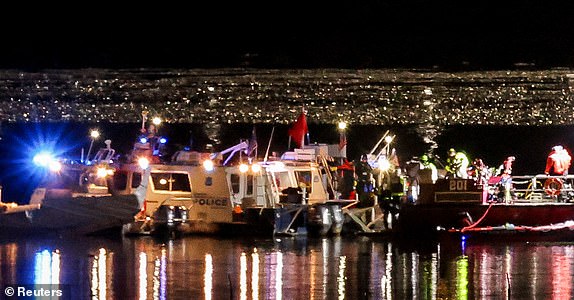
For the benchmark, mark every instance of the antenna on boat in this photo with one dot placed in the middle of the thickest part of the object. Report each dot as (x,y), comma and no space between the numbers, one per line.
(379,142)
(269,145)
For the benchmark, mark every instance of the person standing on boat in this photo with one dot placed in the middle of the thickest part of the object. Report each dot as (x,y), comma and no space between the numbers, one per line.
(426,164)
(479,171)
(558,161)
(506,167)
(504,171)
(346,173)
(412,168)
(365,180)
(457,164)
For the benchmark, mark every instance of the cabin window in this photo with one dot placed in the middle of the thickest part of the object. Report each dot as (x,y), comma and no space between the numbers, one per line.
(120,181)
(208,181)
(282,180)
(304,178)
(180,182)
(89,177)
(136,180)
(249,185)
(234,183)
(65,180)
(171,182)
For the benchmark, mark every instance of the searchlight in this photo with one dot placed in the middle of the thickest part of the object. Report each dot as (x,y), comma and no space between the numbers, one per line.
(243,168)
(143,163)
(255,168)
(208,165)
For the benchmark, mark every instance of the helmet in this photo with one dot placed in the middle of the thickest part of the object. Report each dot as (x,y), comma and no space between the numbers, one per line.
(451,151)
(557,148)
(424,158)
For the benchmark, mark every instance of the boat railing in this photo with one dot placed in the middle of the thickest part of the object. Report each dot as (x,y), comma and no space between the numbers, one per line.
(542,187)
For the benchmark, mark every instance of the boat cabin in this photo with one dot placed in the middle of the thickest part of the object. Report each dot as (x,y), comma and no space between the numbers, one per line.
(298,177)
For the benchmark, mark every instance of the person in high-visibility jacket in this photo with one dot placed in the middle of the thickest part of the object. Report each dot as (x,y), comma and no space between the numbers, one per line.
(457,164)
(558,161)
(427,164)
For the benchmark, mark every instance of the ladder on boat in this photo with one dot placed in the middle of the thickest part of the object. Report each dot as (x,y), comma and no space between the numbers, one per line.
(330,181)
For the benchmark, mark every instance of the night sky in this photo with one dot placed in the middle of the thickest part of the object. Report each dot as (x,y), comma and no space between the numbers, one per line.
(448,35)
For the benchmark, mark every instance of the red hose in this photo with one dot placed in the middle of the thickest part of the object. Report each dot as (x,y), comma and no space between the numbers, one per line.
(478,221)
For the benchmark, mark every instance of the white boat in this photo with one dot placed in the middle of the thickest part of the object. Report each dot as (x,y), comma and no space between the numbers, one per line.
(200,193)
(298,188)
(72,199)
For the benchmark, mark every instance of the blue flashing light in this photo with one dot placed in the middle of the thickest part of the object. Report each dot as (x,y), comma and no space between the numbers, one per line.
(162,140)
(43,159)
(143,140)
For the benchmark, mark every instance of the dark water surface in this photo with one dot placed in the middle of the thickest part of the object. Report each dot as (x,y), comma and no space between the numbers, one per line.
(289,268)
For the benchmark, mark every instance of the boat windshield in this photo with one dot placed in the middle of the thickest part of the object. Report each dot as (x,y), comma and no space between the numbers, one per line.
(171,182)
(304,179)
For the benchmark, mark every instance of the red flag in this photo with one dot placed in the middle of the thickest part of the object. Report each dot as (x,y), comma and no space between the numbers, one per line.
(298,130)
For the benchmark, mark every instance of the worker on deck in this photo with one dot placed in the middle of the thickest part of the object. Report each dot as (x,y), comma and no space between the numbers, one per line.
(507,192)
(346,175)
(557,164)
(506,167)
(480,171)
(412,168)
(558,161)
(426,164)
(365,181)
(457,164)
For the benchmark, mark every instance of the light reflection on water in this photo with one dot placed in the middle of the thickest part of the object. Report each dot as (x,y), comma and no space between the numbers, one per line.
(291,268)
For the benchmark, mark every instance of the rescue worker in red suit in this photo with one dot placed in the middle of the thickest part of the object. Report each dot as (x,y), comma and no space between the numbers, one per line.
(558,161)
